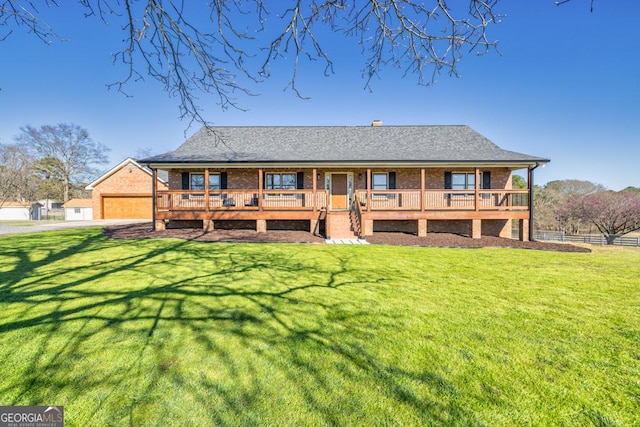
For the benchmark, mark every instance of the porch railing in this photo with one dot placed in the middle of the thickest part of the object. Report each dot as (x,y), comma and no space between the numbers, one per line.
(381,200)
(241,200)
(512,200)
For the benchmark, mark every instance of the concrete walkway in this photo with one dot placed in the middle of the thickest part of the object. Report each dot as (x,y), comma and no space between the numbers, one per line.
(17,227)
(346,242)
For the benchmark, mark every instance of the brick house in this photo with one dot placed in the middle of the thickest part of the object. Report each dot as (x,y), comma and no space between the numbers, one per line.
(345,181)
(124,192)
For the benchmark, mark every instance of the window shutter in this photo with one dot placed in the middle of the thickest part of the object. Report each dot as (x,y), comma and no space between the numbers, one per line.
(223,180)
(185,180)
(486,180)
(300,180)
(447,181)
(264,180)
(392,180)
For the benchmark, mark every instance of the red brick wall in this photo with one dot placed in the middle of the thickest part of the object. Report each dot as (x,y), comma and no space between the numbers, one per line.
(410,227)
(405,178)
(496,227)
(460,226)
(129,179)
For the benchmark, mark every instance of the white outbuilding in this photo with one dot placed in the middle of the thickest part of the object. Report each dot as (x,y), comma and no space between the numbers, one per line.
(20,211)
(78,210)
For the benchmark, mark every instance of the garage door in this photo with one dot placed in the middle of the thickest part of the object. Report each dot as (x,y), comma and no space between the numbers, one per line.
(126,207)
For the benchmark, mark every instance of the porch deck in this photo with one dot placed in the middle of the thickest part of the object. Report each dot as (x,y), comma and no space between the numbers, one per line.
(179,204)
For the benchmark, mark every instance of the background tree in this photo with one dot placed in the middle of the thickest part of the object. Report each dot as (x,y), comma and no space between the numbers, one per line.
(632,189)
(614,214)
(549,202)
(17,183)
(569,187)
(518,182)
(65,153)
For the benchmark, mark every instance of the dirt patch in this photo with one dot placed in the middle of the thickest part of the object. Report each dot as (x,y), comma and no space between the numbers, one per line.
(143,231)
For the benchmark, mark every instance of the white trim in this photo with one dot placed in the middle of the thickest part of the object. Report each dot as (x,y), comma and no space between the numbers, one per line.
(334,165)
(349,195)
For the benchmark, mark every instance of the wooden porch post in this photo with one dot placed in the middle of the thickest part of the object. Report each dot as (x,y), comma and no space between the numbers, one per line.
(260,186)
(368,189)
(477,188)
(206,190)
(315,188)
(422,188)
(523,226)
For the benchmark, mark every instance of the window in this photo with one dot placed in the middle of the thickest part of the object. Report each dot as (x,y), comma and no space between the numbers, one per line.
(380,181)
(280,181)
(196,181)
(214,181)
(464,181)
(76,210)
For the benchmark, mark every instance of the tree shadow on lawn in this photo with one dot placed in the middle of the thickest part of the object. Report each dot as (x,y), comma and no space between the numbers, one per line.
(219,339)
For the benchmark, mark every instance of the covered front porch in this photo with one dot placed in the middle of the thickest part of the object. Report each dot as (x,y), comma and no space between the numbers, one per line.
(332,191)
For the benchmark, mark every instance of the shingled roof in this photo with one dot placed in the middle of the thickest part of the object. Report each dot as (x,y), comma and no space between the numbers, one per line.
(340,144)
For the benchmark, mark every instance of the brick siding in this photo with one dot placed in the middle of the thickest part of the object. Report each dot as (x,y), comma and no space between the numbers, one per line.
(129,179)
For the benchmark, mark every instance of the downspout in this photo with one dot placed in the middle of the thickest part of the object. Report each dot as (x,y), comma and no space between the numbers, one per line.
(530,179)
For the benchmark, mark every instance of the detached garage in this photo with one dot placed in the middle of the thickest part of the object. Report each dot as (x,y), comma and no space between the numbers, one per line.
(126,206)
(124,192)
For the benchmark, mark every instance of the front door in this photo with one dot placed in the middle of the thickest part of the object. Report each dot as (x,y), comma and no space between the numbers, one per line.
(338,191)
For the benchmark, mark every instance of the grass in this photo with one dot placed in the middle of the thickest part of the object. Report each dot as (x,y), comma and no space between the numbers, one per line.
(168,332)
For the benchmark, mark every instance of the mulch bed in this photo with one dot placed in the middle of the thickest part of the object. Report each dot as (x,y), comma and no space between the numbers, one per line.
(456,241)
(143,231)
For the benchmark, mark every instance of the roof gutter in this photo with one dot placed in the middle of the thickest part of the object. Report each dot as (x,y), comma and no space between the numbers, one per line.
(192,164)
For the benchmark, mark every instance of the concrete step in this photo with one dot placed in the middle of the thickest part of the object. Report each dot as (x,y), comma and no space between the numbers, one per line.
(346,242)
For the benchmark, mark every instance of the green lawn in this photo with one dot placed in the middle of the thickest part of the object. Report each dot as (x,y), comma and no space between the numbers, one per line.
(168,332)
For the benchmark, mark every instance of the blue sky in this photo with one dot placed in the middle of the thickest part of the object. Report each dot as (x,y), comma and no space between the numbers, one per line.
(566,87)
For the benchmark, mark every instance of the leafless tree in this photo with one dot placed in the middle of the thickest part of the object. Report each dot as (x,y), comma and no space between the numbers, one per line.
(225,54)
(549,202)
(16,180)
(613,213)
(64,152)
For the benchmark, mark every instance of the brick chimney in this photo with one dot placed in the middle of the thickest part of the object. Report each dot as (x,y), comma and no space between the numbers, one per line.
(376,123)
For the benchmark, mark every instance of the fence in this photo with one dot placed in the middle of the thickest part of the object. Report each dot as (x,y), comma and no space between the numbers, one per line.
(593,239)
(51,214)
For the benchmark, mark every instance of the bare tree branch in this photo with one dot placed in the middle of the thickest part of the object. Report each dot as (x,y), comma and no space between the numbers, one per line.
(225,47)
(561,2)
(25,14)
